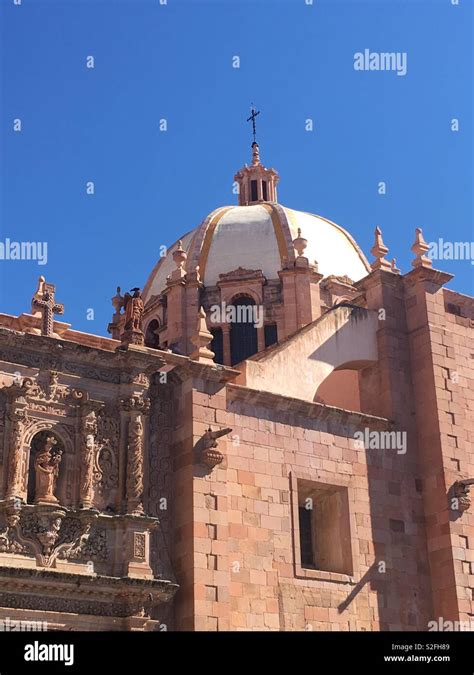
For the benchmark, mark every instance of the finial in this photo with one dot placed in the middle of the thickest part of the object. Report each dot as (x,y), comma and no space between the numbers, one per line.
(179,256)
(255,154)
(300,243)
(394,268)
(117,301)
(379,250)
(420,247)
(201,340)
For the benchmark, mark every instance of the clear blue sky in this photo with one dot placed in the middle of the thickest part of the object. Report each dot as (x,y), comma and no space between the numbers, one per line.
(174,61)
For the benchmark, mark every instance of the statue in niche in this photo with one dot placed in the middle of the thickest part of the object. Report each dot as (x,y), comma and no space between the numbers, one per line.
(47,463)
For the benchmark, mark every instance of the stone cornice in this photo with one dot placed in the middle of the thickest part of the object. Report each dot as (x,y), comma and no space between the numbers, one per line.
(286,404)
(47,353)
(111,596)
(378,277)
(436,277)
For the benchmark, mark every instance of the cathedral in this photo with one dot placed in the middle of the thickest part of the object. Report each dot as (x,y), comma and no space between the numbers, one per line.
(276,436)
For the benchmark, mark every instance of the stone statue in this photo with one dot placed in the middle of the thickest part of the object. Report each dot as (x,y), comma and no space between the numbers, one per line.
(47,470)
(133,310)
(88,431)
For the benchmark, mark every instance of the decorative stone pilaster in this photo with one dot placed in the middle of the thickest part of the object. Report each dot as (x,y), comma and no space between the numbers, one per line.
(17,418)
(88,440)
(300,290)
(138,408)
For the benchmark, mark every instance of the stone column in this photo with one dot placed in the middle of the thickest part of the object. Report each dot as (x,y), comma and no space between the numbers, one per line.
(226,343)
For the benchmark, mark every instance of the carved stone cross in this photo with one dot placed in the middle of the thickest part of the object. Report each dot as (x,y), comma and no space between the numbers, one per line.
(48,307)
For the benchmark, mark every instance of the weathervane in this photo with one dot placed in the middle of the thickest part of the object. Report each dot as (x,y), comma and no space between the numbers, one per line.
(253,117)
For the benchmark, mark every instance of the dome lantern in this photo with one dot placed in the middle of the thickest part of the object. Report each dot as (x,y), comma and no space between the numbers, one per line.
(257,184)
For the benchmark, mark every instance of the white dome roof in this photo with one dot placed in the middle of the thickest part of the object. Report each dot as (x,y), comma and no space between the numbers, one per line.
(259,237)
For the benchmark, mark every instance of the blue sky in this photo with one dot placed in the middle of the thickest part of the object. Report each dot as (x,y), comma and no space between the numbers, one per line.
(174,61)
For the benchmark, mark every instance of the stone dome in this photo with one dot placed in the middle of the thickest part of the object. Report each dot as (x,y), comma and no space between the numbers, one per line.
(259,236)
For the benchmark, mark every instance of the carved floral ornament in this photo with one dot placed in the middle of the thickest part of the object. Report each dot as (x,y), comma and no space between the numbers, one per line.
(52,391)
(49,532)
(136,403)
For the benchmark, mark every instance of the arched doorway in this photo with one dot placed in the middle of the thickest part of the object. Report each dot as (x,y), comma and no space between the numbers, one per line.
(243,331)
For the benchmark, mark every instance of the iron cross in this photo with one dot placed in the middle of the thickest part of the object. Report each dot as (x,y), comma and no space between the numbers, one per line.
(48,308)
(253,117)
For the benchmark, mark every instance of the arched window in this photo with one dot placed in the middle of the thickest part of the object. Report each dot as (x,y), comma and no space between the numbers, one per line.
(151,337)
(49,450)
(217,345)
(243,331)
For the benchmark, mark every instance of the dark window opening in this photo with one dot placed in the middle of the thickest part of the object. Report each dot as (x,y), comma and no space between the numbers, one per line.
(254,191)
(271,334)
(217,345)
(243,332)
(151,337)
(306,536)
(264,189)
(324,525)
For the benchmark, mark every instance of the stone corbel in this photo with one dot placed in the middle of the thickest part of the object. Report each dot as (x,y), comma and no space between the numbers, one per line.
(206,449)
(461,493)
